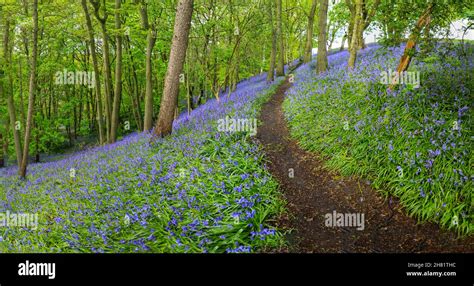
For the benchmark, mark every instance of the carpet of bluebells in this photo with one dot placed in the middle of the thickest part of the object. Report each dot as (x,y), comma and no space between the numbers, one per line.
(198,190)
(414,143)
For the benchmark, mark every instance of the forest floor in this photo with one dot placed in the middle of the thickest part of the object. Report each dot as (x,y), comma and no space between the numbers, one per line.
(313,192)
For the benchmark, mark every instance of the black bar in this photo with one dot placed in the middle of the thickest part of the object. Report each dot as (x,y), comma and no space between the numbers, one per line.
(315,269)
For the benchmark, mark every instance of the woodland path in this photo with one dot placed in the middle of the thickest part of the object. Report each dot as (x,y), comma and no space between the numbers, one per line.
(314,192)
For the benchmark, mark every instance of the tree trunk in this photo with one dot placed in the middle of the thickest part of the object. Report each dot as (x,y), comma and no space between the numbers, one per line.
(148,118)
(32,90)
(106,63)
(271,70)
(95,63)
(322,58)
(366,19)
(179,46)
(118,74)
(350,26)
(280,70)
(421,23)
(108,80)
(37,155)
(342,43)
(309,34)
(151,39)
(6,140)
(10,101)
(353,47)
(20,84)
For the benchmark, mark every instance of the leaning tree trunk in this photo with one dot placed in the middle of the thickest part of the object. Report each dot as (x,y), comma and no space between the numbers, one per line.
(309,35)
(32,90)
(322,58)
(179,46)
(422,22)
(280,70)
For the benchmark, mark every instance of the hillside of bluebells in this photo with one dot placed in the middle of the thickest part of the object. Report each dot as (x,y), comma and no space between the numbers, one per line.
(413,143)
(198,190)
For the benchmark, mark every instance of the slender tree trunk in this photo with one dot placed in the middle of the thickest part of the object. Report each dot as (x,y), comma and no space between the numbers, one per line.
(309,33)
(151,39)
(95,63)
(106,63)
(108,80)
(136,91)
(133,86)
(343,41)
(332,37)
(175,65)
(32,90)
(10,101)
(20,84)
(6,140)
(366,19)
(322,58)
(421,23)
(353,48)
(188,90)
(360,34)
(271,70)
(118,74)
(350,27)
(280,70)
(236,72)
(37,155)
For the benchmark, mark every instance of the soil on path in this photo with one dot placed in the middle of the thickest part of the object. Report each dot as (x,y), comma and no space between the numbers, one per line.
(314,192)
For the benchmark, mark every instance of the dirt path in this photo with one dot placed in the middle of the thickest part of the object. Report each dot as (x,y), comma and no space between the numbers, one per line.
(314,192)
